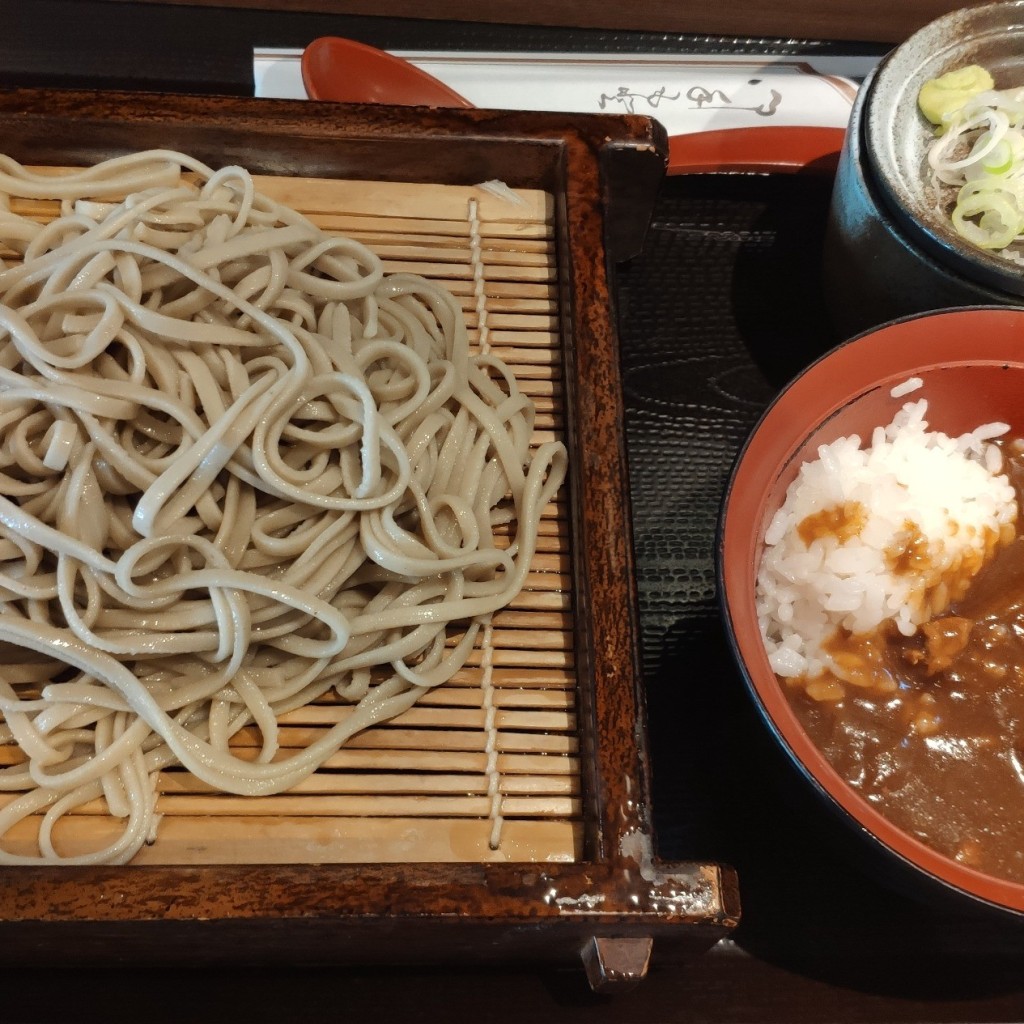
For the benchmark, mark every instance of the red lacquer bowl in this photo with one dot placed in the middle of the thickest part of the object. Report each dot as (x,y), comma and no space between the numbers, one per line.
(972,365)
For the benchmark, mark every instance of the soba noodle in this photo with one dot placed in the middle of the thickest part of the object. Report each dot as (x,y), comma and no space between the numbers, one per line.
(240,467)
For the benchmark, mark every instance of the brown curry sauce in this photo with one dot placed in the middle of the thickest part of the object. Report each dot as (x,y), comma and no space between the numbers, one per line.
(932,734)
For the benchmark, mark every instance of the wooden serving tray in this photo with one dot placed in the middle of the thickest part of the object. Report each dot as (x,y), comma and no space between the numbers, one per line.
(595,889)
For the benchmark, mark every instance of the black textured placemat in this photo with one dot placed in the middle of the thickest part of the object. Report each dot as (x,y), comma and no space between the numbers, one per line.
(71,44)
(720,309)
(717,312)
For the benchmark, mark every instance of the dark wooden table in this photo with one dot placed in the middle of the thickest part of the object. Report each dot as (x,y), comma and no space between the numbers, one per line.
(823,938)
(837,19)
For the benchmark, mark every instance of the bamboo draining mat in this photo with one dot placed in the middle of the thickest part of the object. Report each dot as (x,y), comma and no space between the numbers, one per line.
(476,771)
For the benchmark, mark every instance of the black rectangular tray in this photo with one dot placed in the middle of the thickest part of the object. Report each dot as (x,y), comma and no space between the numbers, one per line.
(723,307)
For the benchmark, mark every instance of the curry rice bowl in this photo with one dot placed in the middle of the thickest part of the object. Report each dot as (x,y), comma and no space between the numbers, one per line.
(891,532)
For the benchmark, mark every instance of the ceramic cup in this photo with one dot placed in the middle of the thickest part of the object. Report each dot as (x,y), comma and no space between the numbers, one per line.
(888,252)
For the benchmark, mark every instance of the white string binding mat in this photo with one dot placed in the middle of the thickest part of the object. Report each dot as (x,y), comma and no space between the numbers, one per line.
(487,646)
(241,467)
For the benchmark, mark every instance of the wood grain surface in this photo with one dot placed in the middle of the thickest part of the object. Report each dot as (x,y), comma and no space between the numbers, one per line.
(871,20)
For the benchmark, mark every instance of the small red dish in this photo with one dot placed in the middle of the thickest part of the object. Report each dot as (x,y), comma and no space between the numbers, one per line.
(972,364)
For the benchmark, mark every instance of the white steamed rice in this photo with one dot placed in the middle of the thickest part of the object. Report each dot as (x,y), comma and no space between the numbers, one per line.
(949,492)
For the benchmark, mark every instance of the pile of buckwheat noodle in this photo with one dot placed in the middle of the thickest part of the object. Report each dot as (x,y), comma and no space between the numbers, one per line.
(239,467)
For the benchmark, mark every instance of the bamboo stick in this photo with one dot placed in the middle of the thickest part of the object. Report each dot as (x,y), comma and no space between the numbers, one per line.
(548,580)
(534,237)
(444,271)
(452,694)
(431,760)
(548,600)
(541,389)
(341,805)
(515,317)
(462,696)
(441,717)
(519,329)
(552,544)
(505,658)
(376,805)
(373,228)
(425,761)
(551,527)
(386,737)
(386,198)
(551,678)
(427,250)
(512,618)
(547,543)
(510,290)
(392,783)
(507,297)
(223,839)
